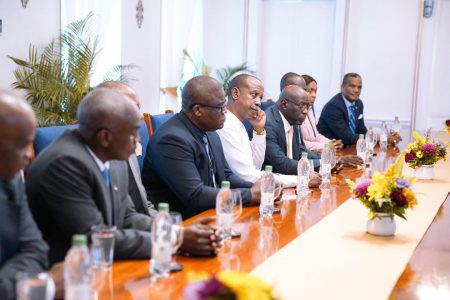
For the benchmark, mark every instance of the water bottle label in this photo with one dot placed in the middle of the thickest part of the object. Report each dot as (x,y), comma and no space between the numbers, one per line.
(362,154)
(267,199)
(162,252)
(326,168)
(224,221)
(383,138)
(303,180)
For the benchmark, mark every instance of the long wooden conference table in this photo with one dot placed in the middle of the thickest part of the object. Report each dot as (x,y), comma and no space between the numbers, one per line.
(426,276)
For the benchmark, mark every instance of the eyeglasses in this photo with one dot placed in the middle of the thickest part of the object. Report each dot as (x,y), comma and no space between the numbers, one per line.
(221,107)
(300,105)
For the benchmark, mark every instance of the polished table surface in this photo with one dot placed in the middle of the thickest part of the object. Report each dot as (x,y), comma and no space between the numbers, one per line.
(428,270)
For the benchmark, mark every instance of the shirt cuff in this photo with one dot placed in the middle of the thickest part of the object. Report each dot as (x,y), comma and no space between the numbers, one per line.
(262,132)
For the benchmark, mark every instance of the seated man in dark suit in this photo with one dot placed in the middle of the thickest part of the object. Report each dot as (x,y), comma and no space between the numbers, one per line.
(22,248)
(135,188)
(81,180)
(343,116)
(284,141)
(184,164)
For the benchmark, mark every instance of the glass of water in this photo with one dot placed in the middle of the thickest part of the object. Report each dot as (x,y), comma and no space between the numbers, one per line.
(34,286)
(102,248)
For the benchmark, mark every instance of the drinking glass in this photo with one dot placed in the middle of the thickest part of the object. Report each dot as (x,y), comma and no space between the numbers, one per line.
(177,237)
(35,286)
(237,210)
(102,248)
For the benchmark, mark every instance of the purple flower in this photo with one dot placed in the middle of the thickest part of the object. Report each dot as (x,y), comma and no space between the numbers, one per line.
(361,189)
(399,198)
(202,290)
(428,149)
(401,183)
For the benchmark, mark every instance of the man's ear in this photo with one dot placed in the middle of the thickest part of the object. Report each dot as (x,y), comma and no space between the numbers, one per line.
(196,111)
(235,93)
(104,138)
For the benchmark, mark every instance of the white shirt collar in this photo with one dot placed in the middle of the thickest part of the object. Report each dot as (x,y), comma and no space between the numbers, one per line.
(347,102)
(99,163)
(286,124)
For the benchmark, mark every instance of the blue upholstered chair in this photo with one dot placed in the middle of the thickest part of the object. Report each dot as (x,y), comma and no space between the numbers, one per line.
(143,133)
(155,121)
(46,135)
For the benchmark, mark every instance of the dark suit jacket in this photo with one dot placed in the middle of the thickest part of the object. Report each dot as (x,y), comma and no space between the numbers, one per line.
(333,122)
(136,190)
(176,168)
(21,245)
(276,145)
(67,195)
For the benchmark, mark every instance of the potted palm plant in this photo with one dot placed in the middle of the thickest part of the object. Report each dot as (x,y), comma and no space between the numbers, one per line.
(57,79)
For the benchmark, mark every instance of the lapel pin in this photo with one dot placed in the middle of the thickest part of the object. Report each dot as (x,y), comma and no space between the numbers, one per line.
(115,188)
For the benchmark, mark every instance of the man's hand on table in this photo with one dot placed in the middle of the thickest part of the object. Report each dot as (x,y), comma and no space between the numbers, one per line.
(200,238)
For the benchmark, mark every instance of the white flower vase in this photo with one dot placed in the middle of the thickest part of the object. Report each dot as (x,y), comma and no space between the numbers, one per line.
(424,172)
(382,224)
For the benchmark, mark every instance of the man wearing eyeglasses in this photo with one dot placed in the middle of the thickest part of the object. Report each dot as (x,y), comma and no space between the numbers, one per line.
(185,164)
(284,141)
(81,180)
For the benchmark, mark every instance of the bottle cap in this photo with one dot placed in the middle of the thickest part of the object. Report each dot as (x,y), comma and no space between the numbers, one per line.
(79,240)
(163,206)
(304,154)
(268,168)
(225,184)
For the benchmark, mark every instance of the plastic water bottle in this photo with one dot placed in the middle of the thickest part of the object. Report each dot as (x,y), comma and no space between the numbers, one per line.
(161,236)
(396,126)
(77,270)
(303,171)
(268,186)
(361,147)
(383,137)
(371,139)
(326,158)
(224,211)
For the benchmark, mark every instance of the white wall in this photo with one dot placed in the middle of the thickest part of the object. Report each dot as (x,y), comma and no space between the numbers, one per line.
(381,47)
(141,46)
(36,24)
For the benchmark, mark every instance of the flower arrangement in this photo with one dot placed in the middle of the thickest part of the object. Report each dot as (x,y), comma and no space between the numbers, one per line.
(227,285)
(424,151)
(387,193)
(447,126)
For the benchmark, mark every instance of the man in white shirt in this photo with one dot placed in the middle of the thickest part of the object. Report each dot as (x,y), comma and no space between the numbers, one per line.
(244,156)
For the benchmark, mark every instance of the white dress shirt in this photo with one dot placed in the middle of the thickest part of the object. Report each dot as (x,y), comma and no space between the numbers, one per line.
(246,157)
(99,163)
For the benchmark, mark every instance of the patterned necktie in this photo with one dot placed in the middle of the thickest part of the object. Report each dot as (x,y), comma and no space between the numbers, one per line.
(211,166)
(289,142)
(105,174)
(352,118)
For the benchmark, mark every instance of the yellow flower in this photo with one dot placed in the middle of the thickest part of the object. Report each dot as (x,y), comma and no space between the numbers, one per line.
(418,138)
(410,197)
(246,286)
(419,154)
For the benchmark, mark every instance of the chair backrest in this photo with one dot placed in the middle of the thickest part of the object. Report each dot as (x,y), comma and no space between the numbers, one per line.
(145,138)
(46,135)
(155,121)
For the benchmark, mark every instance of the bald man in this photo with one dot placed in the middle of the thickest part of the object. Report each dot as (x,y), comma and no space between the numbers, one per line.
(22,248)
(292,78)
(284,142)
(184,163)
(135,188)
(81,180)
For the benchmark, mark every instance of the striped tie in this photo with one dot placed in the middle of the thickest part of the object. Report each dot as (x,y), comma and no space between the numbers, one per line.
(352,118)
(211,166)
